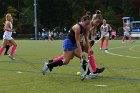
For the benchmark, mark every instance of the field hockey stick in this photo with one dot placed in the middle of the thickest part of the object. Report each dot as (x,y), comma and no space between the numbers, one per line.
(99,39)
(87,66)
(82,76)
(81,69)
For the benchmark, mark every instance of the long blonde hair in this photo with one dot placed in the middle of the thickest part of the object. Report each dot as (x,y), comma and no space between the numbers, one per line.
(97,16)
(7,15)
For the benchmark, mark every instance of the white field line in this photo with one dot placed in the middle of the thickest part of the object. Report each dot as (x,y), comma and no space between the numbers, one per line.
(114,54)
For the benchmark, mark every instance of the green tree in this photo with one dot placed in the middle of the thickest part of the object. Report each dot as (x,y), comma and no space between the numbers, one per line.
(10,10)
(109,15)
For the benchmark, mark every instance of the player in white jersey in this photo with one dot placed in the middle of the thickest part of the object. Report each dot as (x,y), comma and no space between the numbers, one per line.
(105,28)
(7,36)
(126,29)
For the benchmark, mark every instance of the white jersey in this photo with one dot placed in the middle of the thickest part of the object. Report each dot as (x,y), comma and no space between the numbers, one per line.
(105,30)
(8,35)
(126,30)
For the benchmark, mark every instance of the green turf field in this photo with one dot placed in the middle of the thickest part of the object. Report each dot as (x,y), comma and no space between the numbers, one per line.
(23,75)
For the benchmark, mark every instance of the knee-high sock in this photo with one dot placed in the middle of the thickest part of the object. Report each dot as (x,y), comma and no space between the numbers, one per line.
(106,43)
(13,50)
(1,50)
(7,48)
(58,58)
(123,39)
(130,39)
(92,62)
(101,44)
(83,65)
(55,64)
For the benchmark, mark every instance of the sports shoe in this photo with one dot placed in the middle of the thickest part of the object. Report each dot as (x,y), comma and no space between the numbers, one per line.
(99,70)
(91,76)
(11,57)
(88,77)
(45,68)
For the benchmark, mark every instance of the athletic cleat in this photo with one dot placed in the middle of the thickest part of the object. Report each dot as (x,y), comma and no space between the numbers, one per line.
(11,57)
(92,75)
(45,68)
(106,49)
(99,70)
(88,77)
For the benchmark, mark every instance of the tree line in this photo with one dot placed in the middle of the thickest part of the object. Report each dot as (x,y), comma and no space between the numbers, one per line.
(64,13)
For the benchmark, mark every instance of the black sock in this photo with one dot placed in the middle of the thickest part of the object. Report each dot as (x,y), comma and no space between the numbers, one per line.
(55,64)
(84,66)
(50,60)
(7,48)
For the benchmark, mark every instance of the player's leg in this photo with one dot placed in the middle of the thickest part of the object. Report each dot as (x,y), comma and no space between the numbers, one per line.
(101,43)
(67,57)
(106,37)
(123,38)
(57,58)
(68,54)
(5,42)
(84,62)
(93,65)
(92,59)
(130,39)
(85,49)
(6,49)
(13,48)
(84,65)
(92,62)
(113,37)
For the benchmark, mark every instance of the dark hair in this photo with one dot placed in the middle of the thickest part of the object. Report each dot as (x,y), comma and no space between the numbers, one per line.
(85,17)
(98,12)
(88,13)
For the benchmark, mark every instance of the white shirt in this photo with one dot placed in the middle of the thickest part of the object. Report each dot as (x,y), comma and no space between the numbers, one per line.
(104,29)
(7,33)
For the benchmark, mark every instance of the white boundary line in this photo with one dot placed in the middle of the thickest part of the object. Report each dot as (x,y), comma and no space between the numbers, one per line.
(106,51)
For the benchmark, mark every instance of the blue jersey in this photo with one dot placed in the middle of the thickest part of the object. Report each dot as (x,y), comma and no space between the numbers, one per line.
(71,34)
(70,43)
